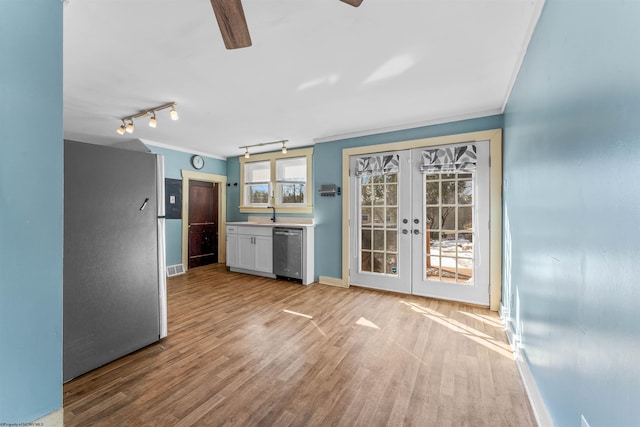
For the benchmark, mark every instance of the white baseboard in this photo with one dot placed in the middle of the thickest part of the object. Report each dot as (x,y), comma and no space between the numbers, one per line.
(540,411)
(54,419)
(331,281)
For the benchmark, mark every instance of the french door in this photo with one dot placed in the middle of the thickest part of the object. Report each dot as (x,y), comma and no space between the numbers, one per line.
(420,221)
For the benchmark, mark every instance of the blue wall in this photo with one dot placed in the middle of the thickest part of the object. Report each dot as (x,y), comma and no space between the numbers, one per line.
(174,162)
(31,191)
(233,191)
(327,169)
(572,212)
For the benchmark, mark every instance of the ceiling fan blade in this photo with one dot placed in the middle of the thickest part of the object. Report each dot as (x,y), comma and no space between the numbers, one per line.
(232,23)
(354,3)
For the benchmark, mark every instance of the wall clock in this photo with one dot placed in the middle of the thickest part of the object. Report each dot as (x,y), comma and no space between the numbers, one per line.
(197,162)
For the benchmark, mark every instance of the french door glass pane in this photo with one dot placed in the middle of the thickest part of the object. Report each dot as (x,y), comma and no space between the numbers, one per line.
(448,192)
(448,212)
(379,225)
(366,261)
(433,217)
(366,239)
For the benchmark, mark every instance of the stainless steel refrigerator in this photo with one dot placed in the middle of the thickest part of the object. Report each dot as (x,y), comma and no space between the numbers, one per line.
(114,263)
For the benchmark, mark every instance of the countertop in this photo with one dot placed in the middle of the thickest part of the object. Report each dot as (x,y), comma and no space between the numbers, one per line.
(270,224)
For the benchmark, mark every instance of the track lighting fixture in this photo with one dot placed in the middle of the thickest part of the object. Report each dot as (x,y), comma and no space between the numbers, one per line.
(127,122)
(246,147)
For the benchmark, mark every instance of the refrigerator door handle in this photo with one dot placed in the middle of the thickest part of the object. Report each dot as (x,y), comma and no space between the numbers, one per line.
(144,204)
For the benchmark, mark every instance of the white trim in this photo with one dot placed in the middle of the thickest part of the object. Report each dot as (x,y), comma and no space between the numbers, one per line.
(162,248)
(540,411)
(503,312)
(54,419)
(331,281)
(181,149)
(537,11)
(407,126)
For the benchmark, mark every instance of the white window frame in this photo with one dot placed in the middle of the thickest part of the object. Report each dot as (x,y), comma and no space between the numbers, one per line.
(246,188)
(280,182)
(307,207)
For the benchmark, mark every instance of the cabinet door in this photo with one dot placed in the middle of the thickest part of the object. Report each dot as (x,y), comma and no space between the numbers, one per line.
(264,254)
(232,250)
(246,252)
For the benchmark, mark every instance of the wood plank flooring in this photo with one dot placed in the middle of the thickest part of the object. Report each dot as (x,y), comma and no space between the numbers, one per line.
(245,351)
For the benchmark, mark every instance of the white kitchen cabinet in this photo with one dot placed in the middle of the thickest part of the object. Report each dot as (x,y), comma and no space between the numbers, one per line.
(253,249)
(250,249)
(264,253)
(246,252)
(232,246)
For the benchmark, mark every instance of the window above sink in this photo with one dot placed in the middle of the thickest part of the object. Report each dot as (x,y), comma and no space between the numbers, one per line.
(279,180)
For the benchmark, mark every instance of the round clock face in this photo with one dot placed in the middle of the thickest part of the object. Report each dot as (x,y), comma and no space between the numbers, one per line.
(197,162)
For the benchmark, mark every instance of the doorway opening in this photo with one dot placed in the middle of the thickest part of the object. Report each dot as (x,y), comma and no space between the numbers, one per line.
(420,221)
(441,217)
(203,223)
(203,218)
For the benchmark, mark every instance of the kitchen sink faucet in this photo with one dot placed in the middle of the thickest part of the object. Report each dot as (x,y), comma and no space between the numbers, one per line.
(273,218)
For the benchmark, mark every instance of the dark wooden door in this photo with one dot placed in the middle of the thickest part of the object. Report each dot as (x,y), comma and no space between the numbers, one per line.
(203,223)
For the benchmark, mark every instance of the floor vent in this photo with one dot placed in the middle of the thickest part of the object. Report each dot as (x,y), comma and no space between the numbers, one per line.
(174,270)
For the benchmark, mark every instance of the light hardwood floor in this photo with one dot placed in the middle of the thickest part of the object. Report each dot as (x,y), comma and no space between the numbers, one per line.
(246,351)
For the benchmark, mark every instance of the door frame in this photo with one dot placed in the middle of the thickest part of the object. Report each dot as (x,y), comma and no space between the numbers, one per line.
(494,136)
(188,175)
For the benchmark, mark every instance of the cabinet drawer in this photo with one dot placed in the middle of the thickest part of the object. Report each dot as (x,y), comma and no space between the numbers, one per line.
(255,231)
(232,229)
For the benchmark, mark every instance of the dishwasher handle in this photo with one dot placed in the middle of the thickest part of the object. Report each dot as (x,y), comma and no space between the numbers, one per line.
(287,232)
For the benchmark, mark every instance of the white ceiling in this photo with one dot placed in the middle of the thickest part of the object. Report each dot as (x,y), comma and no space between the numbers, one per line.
(317,68)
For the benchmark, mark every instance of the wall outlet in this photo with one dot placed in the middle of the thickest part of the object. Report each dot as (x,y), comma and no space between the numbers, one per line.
(583,422)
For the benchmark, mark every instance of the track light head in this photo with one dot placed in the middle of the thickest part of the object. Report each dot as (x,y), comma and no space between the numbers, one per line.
(121,129)
(173,113)
(152,121)
(129,127)
(246,153)
(284,147)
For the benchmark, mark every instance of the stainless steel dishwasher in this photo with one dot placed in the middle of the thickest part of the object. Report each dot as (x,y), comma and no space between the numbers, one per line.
(287,252)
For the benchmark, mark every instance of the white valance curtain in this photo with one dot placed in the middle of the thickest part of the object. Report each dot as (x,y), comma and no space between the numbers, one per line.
(377,165)
(458,159)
